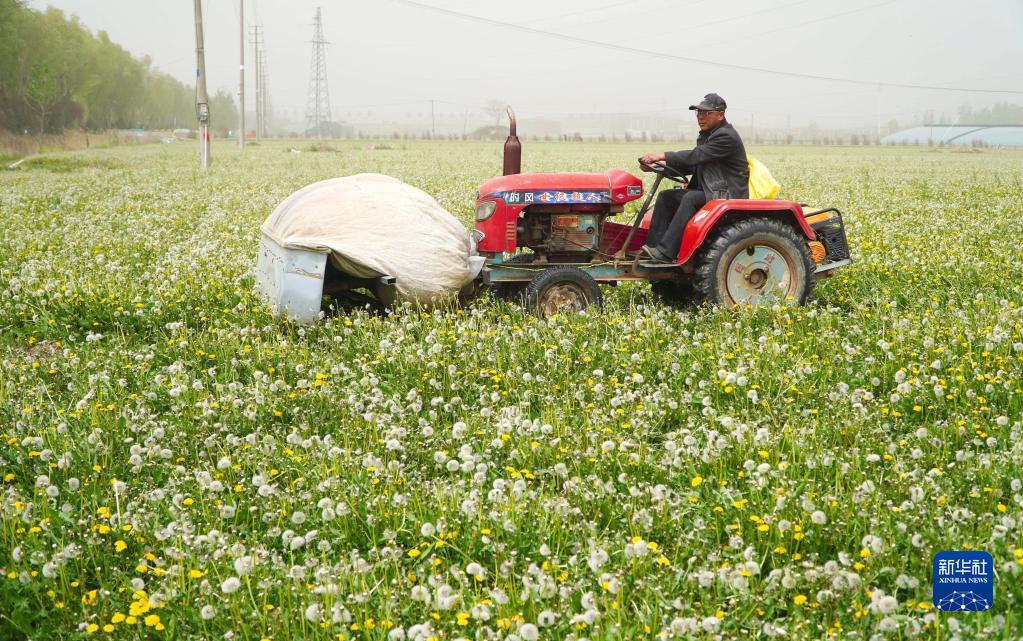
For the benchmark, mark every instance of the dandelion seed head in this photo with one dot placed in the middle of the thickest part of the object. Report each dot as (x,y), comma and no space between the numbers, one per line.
(528,632)
(230,585)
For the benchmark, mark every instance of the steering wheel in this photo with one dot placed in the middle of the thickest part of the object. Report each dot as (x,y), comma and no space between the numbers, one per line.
(666,171)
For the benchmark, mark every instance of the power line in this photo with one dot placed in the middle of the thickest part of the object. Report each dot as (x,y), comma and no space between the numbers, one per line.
(803,24)
(531,52)
(699,61)
(691,27)
(676,6)
(575,13)
(730,19)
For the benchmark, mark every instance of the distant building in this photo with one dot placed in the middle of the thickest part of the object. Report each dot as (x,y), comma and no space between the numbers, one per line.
(959,135)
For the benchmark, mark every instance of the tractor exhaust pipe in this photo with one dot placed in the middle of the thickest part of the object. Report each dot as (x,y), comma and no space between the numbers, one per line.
(512,148)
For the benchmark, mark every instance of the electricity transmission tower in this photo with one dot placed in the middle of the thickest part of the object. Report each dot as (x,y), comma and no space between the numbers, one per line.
(318,103)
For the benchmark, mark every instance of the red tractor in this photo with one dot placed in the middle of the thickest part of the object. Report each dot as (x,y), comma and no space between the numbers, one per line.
(732,252)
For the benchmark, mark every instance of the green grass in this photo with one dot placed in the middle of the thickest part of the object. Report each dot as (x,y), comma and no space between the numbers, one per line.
(629,473)
(66,162)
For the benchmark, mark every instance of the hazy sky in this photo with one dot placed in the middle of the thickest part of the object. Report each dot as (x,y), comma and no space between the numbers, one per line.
(387,56)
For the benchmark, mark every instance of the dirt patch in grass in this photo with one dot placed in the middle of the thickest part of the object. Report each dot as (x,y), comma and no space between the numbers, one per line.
(43,352)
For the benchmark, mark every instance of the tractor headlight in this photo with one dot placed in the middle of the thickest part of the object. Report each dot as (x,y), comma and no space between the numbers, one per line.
(485,209)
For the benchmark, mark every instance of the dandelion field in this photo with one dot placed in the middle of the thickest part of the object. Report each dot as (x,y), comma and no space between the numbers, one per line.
(178,463)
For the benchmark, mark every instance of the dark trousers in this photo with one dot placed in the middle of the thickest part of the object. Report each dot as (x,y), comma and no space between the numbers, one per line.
(672,212)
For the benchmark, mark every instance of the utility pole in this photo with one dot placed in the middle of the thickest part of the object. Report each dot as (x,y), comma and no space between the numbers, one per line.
(202,101)
(264,84)
(262,88)
(879,114)
(257,32)
(241,74)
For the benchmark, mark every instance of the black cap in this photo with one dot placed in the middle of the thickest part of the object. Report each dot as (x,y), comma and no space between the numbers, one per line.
(710,102)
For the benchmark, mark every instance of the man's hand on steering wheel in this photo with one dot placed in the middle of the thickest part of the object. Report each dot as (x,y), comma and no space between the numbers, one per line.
(656,163)
(646,160)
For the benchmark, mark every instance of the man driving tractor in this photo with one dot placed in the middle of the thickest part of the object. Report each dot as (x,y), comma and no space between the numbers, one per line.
(719,169)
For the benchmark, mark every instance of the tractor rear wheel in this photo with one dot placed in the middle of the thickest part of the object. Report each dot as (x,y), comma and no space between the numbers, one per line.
(756,261)
(561,290)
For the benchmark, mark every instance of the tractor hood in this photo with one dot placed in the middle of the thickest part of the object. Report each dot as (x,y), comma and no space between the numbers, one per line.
(614,186)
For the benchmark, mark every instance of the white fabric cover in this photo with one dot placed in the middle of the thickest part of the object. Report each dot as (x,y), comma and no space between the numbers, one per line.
(374,225)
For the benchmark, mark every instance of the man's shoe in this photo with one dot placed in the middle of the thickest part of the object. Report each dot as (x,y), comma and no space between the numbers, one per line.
(655,254)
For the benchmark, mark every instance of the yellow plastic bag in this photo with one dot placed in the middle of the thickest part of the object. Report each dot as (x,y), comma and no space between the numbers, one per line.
(762,185)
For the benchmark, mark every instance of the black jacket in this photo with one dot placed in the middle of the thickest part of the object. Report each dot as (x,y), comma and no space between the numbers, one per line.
(718,163)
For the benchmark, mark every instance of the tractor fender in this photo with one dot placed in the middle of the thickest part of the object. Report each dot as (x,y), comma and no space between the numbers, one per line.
(719,211)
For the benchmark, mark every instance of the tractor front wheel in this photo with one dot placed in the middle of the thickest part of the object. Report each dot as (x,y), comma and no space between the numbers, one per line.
(756,261)
(561,290)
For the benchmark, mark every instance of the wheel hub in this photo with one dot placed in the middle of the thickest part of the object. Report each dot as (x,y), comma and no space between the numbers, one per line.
(564,297)
(758,273)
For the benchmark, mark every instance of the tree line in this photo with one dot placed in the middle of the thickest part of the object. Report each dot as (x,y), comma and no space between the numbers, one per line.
(1002,113)
(55,73)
